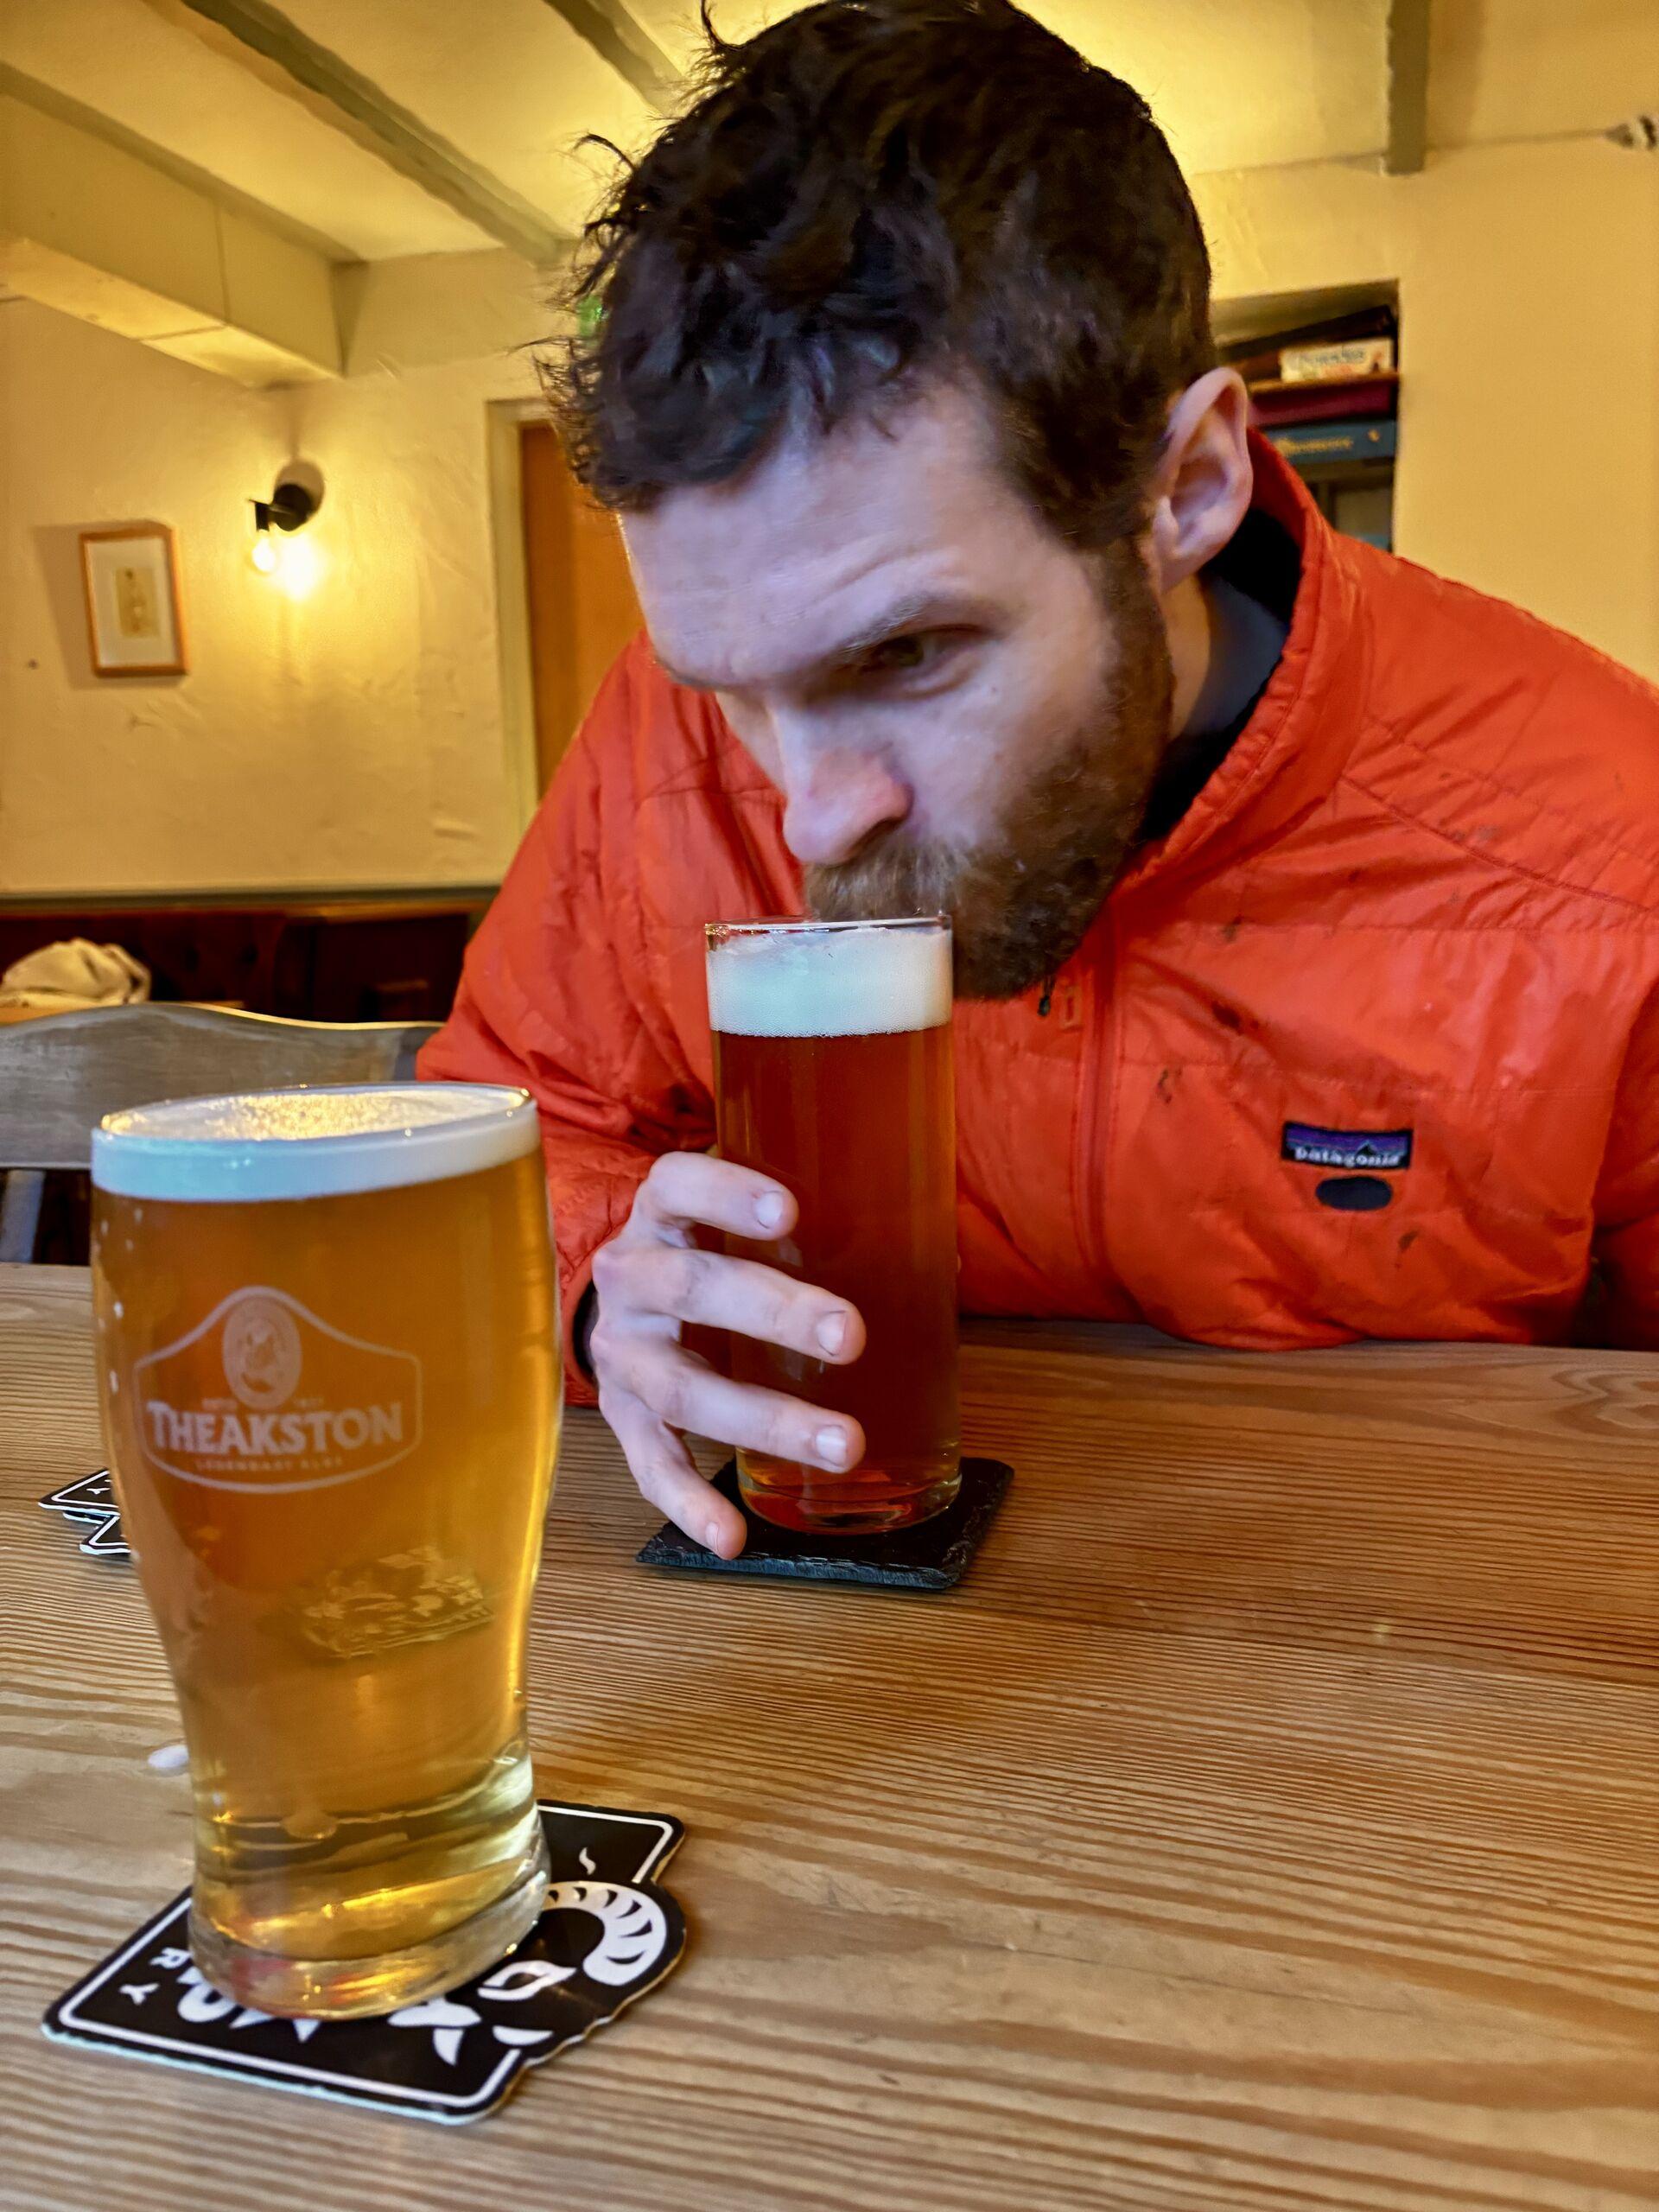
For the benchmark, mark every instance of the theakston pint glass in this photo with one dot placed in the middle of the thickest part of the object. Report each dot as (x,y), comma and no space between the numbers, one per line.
(833,1074)
(327,1349)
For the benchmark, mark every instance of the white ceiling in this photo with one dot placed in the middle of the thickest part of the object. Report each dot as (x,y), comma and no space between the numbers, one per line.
(511,88)
(1509,69)
(507,82)
(1233,83)
(127,63)
(310,134)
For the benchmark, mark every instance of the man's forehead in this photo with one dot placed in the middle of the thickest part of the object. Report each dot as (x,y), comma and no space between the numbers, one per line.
(830,541)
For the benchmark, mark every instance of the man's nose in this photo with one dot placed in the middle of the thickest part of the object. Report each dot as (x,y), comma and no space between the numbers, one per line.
(834,801)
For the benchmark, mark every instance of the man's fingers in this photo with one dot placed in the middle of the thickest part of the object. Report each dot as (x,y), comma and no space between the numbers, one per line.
(688,1189)
(685,1284)
(686,1393)
(663,1468)
(653,1278)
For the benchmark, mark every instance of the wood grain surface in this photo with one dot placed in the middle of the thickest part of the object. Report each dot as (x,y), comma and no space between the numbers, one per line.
(1270,1821)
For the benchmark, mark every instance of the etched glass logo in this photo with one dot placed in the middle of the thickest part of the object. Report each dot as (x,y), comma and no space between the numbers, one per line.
(263,1354)
(264,1395)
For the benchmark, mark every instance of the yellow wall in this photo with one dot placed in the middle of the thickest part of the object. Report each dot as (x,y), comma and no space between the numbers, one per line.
(356,737)
(353,737)
(1528,281)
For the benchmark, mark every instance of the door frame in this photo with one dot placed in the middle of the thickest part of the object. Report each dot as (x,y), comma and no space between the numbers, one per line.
(505,417)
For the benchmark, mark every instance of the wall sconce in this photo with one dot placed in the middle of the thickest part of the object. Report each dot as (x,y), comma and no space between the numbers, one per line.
(291,507)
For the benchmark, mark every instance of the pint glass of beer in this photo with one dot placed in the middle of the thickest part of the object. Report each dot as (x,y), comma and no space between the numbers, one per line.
(327,1329)
(832,1074)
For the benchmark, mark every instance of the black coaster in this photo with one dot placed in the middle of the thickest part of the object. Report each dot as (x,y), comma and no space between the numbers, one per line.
(92,1500)
(608,1934)
(932,1555)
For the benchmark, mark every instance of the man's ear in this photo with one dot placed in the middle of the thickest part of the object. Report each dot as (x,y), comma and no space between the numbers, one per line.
(1202,488)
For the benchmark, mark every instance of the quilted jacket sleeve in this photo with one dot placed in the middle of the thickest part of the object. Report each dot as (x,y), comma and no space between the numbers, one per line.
(1623,1308)
(556,997)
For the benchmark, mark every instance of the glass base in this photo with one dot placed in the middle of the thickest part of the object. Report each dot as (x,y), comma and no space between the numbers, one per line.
(830,1505)
(350,1989)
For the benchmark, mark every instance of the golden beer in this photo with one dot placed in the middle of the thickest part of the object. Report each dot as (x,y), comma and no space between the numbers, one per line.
(328,1324)
(833,1074)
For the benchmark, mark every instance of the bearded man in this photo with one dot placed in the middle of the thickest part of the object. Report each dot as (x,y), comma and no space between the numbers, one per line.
(1307,907)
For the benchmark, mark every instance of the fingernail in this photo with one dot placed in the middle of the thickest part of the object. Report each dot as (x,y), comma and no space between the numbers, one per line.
(832,1332)
(711,1534)
(833,1446)
(769,1210)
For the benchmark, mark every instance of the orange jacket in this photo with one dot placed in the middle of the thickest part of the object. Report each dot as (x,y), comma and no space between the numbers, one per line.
(1420,894)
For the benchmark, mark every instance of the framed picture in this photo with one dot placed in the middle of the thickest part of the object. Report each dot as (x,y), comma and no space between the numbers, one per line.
(132,600)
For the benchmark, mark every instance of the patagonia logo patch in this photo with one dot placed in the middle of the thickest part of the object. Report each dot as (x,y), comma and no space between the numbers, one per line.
(1360,1151)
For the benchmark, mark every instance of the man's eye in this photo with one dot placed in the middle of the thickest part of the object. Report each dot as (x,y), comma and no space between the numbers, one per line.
(904,656)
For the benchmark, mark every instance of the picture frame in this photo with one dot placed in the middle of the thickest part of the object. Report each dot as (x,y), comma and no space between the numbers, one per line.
(134,625)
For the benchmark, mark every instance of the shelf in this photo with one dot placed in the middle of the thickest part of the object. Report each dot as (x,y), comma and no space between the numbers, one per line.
(1323,383)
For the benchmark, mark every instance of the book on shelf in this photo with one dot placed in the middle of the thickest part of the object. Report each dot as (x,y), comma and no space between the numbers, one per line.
(1262,360)
(1277,403)
(1304,443)
(1339,359)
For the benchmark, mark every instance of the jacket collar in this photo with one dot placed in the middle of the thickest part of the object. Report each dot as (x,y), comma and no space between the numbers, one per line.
(1291,751)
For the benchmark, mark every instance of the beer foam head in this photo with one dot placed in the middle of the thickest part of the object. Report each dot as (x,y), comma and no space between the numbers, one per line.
(311,1143)
(859,979)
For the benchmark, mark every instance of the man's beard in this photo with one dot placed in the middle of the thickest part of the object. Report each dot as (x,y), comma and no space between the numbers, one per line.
(1021,903)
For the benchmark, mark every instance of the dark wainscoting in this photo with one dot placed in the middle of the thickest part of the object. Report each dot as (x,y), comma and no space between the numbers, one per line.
(380,956)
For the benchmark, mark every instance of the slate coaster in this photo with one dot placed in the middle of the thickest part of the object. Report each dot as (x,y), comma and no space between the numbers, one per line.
(105,1540)
(932,1555)
(92,1500)
(606,1935)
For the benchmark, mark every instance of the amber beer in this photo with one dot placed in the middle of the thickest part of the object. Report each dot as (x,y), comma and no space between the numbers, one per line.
(326,1328)
(832,1073)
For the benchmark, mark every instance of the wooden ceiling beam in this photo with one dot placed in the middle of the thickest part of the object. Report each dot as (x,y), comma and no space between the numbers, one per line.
(1407,146)
(262,38)
(608,27)
(95,230)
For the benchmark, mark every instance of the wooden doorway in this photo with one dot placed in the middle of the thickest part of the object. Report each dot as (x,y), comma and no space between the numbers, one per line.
(582,608)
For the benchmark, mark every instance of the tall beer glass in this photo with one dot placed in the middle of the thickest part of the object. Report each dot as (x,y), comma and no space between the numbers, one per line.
(326,1328)
(832,1074)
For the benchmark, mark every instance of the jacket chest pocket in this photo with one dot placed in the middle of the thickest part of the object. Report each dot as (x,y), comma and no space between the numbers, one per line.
(1257,1200)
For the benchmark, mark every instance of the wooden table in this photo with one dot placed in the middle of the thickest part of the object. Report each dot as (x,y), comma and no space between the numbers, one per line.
(1269,1823)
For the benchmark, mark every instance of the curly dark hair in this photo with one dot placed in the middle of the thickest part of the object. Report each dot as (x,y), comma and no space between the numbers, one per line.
(873,192)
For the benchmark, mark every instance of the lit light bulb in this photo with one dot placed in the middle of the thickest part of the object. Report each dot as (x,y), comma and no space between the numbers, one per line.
(301,568)
(264,555)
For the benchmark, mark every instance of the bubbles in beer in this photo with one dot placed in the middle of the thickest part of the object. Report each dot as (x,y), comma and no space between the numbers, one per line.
(313,1143)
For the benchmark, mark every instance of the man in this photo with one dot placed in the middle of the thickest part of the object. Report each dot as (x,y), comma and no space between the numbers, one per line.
(1307,907)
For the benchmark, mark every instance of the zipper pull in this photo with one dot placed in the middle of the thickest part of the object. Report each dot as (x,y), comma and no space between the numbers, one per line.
(1046,999)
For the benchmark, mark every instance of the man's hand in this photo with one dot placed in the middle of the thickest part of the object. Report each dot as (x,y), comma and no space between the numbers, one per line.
(650,1279)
